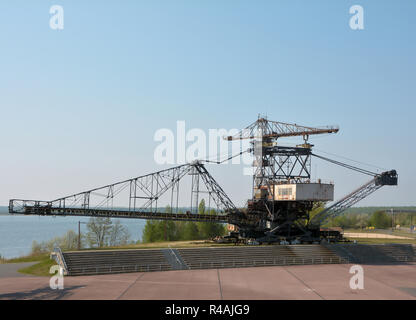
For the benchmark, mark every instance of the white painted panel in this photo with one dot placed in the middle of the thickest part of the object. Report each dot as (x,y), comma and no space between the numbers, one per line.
(305,191)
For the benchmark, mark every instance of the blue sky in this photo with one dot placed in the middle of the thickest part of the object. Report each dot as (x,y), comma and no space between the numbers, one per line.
(80,106)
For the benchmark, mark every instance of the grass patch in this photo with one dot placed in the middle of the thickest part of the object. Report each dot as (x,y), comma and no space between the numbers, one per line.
(166,244)
(404,233)
(39,269)
(29,258)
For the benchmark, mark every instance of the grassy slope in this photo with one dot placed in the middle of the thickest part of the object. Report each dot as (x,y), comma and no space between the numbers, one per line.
(29,258)
(41,268)
(167,244)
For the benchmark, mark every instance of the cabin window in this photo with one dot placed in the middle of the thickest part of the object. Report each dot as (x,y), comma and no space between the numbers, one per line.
(285,191)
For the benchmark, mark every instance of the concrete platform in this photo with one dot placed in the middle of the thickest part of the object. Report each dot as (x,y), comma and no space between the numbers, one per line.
(269,283)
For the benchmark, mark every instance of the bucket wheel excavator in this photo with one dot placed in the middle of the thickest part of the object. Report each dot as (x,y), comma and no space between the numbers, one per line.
(283,194)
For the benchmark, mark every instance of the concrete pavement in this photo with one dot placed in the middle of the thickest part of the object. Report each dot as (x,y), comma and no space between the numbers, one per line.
(274,283)
(8,270)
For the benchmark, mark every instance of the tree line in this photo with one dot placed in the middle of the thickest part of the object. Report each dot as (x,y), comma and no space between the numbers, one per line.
(165,230)
(102,232)
(379,219)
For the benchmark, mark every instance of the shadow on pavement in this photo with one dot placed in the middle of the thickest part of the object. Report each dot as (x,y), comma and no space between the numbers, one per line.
(45,293)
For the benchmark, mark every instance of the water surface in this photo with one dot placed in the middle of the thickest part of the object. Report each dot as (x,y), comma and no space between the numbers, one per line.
(18,232)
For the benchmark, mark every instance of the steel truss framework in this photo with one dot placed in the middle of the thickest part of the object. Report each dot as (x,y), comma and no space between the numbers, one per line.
(275,164)
(386,178)
(143,194)
(280,164)
(267,129)
(288,163)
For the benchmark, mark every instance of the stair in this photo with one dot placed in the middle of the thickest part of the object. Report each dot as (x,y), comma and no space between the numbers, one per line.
(144,260)
(115,261)
(378,253)
(175,259)
(233,257)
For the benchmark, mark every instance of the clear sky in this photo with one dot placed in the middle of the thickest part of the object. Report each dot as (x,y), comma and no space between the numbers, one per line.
(80,106)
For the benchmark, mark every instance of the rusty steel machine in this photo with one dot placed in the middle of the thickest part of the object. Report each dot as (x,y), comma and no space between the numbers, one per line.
(284,194)
(282,200)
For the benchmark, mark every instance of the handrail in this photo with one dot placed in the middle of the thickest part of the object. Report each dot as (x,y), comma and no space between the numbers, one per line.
(273,261)
(122,267)
(61,258)
(174,254)
(107,268)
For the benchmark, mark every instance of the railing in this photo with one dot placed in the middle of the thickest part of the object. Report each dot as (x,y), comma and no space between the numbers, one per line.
(46,208)
(178,261)
(266,262)
(58,256)
(106,269)
(382,259)
(405,258)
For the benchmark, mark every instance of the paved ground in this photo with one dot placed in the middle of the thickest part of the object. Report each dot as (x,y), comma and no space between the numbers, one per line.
(288,282)
(373,236)
(8,270)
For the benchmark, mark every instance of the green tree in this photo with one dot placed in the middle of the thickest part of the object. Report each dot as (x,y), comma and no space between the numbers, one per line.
(209,230)
(169,228)
(149,231)
(172,231)
(190,231)
(201,207)
(99,230)
(166,231)
(317,207)
(69,241)
(380,220)
(119,235)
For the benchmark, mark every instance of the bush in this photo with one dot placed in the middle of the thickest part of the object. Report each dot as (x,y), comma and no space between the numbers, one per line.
(103,233)
(69,241)
(155,231)
(380,220)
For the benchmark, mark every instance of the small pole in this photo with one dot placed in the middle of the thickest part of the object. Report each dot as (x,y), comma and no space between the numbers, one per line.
(392,219)
(79,235)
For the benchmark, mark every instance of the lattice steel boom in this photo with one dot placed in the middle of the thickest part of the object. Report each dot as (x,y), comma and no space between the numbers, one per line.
(141,194)
(386,178)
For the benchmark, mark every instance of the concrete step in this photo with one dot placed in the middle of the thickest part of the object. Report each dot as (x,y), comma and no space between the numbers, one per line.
(383,253)
(115,261)
(200,258)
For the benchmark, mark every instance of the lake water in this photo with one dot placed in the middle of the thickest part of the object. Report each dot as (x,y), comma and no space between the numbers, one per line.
(18,232)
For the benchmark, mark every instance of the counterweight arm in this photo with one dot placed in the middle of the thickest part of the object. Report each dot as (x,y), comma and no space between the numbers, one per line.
(386,178)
